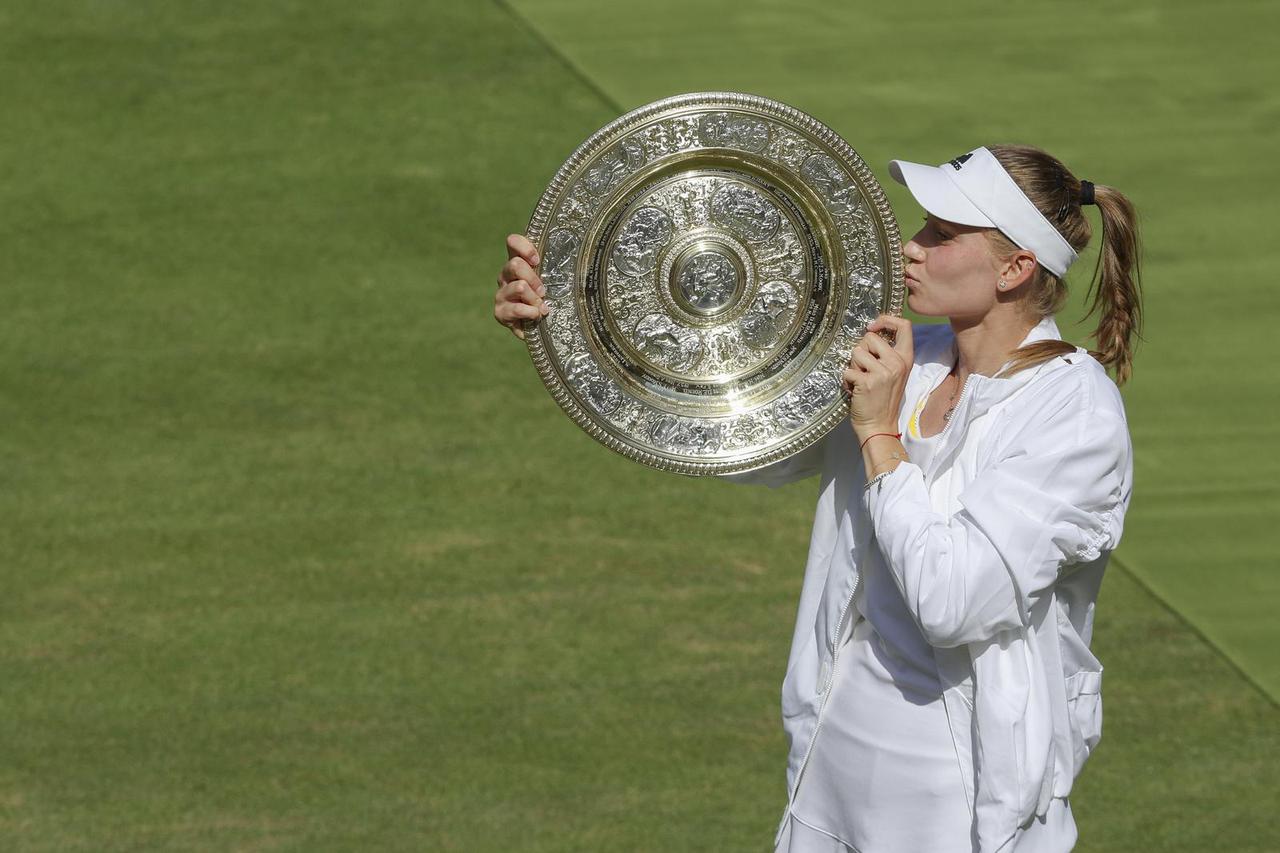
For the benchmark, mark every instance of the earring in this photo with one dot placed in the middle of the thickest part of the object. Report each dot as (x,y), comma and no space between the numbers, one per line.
(1001,285)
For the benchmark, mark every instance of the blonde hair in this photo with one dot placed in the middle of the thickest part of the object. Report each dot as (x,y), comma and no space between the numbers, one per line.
(1115,287)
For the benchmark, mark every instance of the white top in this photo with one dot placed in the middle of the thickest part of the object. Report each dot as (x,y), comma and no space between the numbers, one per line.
(920,450)
(996,551)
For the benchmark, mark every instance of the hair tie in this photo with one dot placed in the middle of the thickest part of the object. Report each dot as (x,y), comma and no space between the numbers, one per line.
(1086,193)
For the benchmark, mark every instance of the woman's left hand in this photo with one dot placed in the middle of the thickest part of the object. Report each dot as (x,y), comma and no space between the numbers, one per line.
(877,376)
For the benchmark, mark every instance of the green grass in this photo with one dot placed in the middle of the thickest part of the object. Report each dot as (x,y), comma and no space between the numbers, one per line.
(298,554)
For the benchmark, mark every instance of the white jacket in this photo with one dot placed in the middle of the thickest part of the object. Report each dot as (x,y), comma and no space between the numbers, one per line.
(998,550)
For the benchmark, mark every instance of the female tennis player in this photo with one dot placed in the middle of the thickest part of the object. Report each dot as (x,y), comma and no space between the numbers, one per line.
(940,694)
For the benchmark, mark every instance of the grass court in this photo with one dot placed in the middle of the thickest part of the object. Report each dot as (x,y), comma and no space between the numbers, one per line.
(297,552)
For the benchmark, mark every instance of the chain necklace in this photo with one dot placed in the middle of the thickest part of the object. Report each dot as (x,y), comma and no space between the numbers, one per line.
(952,402)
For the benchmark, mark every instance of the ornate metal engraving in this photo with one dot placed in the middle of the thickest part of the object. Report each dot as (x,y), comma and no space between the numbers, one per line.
(710,261)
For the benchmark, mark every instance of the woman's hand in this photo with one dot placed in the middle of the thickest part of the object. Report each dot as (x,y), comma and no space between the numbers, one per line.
(520,290)
(877,376)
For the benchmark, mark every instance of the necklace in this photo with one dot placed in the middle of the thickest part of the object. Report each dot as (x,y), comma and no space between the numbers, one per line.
(952,402)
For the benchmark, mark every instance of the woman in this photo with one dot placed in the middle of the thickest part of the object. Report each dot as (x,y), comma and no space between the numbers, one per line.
(940,694)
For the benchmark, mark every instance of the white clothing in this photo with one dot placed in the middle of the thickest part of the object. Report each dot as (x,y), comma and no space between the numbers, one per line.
(996,551)
(883,773)
(1052,833)
(920,450)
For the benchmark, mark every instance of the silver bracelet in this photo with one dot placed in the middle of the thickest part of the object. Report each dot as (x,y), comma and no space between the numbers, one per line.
(878,477)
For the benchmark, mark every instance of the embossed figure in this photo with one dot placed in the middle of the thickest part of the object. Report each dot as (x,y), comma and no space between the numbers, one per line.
(591,385)
(708,280)
(683,435)
(636,249)
(746,211)
(770,313)
(781,258)
(667,343)
(832,182)
(734,130)
(866,290)
(557,269)
(605,173)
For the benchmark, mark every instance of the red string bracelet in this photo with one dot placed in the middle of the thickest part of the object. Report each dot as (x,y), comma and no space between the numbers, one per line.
(896,435)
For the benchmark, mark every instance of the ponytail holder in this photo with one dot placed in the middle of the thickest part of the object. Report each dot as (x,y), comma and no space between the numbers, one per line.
(1086,193)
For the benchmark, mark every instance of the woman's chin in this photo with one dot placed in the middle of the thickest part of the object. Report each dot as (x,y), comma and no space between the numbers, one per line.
(921,306)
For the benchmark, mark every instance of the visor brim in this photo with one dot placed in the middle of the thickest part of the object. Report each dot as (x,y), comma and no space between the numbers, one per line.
(937,194)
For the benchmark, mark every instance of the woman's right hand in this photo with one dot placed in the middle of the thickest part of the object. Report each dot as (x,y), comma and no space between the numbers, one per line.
(520,289)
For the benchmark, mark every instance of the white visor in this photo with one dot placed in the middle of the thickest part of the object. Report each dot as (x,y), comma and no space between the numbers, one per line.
(974,189)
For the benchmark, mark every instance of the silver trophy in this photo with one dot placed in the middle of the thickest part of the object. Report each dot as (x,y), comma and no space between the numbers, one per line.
(710,261)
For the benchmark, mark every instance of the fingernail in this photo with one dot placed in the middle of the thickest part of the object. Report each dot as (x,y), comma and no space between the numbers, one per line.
(535,259)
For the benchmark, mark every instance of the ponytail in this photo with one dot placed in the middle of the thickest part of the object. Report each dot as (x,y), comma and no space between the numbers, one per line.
(1115,292)
(1117,288)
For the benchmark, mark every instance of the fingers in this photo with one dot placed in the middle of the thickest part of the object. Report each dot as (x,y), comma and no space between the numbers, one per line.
(849,379)
(861,364)
(518,269)
(516,329)
(903,343)
(520,246)
(865,361)
(520,288)
(881,349)
(508,312)
(513,314)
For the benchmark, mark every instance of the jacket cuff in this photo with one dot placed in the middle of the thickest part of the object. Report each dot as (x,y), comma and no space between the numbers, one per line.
(904,484)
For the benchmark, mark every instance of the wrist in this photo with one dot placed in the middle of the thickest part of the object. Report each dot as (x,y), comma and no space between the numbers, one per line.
(863,431)
(878,436)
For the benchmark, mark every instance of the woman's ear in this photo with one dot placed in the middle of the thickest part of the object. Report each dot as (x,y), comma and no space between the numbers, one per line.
(1017,269)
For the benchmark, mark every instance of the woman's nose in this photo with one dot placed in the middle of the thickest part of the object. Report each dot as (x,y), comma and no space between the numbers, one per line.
(913,251)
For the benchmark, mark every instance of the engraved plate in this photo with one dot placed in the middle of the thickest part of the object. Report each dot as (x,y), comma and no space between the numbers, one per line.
(710,261)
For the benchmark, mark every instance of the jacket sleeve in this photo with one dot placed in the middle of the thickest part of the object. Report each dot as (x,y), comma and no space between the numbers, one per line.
(1055,495)
(796,467)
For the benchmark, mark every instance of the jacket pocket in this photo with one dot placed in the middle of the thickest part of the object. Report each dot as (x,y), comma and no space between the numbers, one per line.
(1084,706)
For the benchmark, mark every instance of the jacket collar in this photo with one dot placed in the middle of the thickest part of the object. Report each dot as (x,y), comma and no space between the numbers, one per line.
(979,394)
(983,390)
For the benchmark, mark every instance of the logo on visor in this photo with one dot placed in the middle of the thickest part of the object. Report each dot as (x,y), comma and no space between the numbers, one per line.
(959,161)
